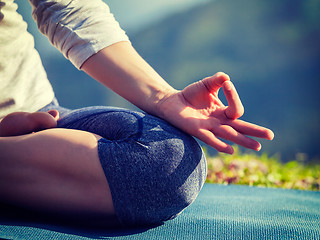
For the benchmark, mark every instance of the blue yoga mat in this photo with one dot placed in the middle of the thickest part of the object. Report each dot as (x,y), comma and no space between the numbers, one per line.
(220,212)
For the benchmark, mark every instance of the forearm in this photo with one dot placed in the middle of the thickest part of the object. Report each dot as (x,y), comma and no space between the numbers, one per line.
(91,38)
(120,68)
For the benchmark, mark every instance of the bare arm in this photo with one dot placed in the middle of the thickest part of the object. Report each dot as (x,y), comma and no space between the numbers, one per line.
(87,33)
(196,109)
(120,68)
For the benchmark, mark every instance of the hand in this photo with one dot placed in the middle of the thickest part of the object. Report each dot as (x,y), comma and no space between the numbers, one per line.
(198,111)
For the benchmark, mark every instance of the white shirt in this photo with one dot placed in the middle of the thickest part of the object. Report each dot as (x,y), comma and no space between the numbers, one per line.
(78,28)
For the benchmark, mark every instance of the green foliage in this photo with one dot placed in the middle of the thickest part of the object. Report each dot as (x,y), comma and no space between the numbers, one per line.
(263,171)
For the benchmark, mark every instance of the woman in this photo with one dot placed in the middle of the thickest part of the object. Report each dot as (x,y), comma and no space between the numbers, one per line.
(101,162)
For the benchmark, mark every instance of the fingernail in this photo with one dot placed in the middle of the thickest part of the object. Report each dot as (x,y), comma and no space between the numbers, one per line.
(270,135)
(259,148)
(228,85)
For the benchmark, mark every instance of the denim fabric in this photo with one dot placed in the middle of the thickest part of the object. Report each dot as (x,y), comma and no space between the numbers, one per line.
(153,169)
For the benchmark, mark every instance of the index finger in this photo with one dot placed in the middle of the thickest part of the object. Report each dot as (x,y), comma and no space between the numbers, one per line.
(235,108)
(215,82)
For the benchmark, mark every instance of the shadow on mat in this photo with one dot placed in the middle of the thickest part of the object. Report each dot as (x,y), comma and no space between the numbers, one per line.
(15,216)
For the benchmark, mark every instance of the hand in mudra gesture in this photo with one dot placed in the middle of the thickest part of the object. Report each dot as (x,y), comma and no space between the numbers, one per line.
(198,111)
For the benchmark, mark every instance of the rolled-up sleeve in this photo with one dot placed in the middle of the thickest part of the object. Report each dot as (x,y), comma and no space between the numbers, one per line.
(77,28)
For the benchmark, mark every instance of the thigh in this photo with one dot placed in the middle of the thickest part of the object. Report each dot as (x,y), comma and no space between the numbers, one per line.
(153,169)
(55,171)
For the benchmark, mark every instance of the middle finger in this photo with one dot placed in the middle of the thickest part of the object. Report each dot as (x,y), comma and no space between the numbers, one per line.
(228,133)
(251,129)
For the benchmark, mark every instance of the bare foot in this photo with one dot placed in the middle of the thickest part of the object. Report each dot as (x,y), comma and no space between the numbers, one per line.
(19,123)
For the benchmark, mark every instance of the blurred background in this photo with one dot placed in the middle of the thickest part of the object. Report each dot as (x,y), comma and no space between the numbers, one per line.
(270,49)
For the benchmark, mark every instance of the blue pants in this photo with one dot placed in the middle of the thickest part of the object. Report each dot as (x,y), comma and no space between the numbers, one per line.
(153,169)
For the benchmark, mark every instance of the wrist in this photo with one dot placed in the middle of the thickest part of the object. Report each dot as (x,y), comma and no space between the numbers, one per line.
(163,101)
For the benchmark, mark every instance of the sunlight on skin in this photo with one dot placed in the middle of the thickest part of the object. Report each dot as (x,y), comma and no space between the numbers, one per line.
(196,109)
(208,119)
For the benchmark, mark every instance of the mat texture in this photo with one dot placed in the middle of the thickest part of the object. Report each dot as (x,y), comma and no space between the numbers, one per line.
(220,212)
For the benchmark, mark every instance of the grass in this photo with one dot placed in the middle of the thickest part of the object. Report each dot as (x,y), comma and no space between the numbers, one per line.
(263,171)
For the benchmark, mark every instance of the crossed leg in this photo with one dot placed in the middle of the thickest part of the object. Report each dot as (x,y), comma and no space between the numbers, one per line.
(55,171)
(58,170)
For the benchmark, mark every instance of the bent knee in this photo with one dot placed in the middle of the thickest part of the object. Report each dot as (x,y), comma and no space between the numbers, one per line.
(179,181)
(158,180)
(186,178)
